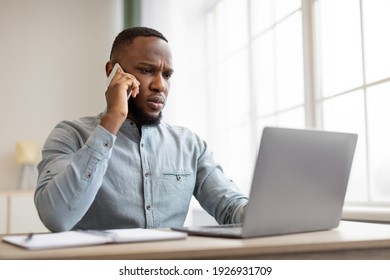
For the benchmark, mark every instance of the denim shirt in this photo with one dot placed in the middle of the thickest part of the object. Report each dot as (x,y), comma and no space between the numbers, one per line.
(92,179)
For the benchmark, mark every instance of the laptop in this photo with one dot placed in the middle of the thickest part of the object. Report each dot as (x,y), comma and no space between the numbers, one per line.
(299,184)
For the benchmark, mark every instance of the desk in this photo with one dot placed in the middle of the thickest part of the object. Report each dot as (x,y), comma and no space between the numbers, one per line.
(351,240)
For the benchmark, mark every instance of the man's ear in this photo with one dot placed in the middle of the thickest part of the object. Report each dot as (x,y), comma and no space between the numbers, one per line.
(109,66)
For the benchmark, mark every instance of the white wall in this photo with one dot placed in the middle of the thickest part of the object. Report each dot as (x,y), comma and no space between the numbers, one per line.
(52,55)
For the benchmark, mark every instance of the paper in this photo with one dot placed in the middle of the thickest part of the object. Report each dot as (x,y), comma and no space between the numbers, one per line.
(86,238)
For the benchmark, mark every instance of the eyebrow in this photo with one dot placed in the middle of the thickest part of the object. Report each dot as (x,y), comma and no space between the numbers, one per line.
(153,65)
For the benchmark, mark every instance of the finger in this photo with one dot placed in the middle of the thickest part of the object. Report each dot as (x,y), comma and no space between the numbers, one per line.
(135,90)
(133,84)
(130,81)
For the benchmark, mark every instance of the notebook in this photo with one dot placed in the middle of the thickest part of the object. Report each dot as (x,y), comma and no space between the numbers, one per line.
(299,184)
(90,237)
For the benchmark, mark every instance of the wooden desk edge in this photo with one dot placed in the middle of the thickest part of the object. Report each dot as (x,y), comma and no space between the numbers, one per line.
(334,244)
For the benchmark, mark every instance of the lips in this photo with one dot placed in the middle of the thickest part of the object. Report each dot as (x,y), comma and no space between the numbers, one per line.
(156,102)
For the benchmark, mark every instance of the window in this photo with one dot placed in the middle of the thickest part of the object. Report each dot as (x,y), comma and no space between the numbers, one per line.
(309,63)
(354,94)
(256,76)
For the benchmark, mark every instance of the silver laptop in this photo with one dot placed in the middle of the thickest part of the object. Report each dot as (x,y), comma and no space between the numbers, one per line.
(299,184)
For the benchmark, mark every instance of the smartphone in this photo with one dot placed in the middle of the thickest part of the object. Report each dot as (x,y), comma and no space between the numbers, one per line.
(116,66)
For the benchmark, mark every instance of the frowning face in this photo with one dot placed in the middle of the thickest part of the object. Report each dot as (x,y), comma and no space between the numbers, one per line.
(149,60)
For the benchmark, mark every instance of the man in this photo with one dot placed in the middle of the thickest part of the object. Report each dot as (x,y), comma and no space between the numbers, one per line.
(125,168)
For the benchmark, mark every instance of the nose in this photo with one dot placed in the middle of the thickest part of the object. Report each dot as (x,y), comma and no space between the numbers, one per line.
(159,84)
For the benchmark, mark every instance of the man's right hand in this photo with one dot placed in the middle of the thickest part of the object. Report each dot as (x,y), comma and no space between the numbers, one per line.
(119,90)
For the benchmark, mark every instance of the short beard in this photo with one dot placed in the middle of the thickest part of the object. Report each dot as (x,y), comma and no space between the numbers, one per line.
(140,117)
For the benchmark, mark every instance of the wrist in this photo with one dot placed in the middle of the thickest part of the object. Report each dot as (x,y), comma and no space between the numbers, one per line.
(112,121)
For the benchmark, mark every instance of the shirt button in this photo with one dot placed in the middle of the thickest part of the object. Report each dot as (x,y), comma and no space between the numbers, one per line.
(148,207)
(142,145)
(146,174)
(106,144)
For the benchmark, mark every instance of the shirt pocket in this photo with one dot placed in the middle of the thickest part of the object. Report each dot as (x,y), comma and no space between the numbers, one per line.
(178,179)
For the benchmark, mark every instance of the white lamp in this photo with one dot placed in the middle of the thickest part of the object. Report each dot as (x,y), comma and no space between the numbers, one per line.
(27,155)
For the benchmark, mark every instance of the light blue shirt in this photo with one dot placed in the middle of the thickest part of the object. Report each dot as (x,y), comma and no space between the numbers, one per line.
(92,179)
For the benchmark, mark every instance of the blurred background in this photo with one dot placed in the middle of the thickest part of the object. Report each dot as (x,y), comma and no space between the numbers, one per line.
(239,66)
